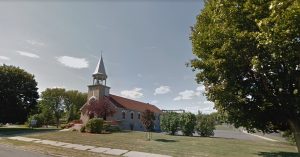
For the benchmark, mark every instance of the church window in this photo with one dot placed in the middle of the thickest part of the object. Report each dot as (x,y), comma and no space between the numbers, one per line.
(131,115)
(123,115)
(139,116)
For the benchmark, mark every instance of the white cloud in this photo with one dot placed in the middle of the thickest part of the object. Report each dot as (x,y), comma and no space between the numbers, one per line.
(35,43)
(200,88)
(133,94)
(162,90)
(207,102)
(28,54)
(73,62)
(154,102)
(4,58)
(185,95)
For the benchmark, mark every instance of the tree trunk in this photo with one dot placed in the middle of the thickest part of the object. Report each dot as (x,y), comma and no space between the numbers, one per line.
(295,126)
(57,122)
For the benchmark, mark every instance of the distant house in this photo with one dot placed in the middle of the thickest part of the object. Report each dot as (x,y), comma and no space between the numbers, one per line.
(128,112)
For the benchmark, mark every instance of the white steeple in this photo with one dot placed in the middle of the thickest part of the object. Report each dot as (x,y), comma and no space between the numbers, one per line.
(100,75)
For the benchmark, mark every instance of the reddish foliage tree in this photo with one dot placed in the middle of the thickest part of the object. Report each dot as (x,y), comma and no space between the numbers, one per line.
(148,119)
(148,122)
(100,108)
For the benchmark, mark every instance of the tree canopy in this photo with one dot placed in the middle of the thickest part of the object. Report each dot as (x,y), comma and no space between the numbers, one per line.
(170,122)
(248,58)
(100,108)
(18,94)
(61,103)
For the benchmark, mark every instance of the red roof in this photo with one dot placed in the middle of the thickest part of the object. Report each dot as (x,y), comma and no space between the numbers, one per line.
(132,104)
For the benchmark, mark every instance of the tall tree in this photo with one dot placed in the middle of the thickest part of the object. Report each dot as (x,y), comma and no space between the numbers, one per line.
(55,99)
(18,94)
(74,101)
(170,122)
(147,119)
(45,113)
(187,122)
(248,57)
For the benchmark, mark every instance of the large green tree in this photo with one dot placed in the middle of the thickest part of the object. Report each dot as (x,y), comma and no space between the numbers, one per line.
(170,122)
(74,101)
(18,94)
(187,123)
(248,57)
(61,103)
(55,100)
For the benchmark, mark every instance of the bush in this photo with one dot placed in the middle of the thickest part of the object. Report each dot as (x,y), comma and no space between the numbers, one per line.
(106,126)
(289,136)
(82,129)
(38,118)
(205,125)
(170,122)
(187,122)
(94,125)
(113,128)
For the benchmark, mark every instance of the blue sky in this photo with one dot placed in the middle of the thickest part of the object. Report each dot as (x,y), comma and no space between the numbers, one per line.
(145,46)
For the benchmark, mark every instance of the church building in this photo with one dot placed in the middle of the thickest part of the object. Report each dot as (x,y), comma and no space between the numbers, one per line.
(128,112)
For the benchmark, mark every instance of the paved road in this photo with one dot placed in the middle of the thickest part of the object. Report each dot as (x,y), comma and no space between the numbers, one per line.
(12,152)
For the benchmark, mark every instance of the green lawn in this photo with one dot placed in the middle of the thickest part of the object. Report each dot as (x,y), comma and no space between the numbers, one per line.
(175,145)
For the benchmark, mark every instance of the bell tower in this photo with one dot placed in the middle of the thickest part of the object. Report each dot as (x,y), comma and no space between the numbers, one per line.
(99,89)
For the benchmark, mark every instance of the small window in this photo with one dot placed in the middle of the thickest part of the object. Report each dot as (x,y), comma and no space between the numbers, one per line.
(131,115)
(123,115)
(139,116)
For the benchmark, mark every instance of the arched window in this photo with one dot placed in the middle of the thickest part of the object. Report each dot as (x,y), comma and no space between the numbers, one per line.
(139,116)
(131,115)
(123,115)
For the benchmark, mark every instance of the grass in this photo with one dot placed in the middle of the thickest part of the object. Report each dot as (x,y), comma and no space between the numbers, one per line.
(175,145)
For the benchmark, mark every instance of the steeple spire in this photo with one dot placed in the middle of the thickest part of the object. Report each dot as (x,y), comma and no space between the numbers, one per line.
(100,74)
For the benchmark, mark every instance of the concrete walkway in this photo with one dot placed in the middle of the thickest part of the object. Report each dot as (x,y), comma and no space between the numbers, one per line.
(103,150)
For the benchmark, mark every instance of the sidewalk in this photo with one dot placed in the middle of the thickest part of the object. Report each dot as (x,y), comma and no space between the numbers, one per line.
(103,150)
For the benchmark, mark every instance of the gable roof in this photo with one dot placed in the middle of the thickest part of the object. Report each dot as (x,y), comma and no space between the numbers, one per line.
(132,104)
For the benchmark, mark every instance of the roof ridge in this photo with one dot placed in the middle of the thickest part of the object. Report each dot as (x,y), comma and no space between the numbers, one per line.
(132,100)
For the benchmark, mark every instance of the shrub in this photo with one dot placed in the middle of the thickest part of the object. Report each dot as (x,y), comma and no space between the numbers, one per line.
(94,125)
(38,118)
(113,128)
(82,129)
(187,122)
(170,122)
(289,136)
(106,126)
(205,125)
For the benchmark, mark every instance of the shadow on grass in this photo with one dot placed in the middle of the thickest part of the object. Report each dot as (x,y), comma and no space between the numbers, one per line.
(164,140)
(23,131)
(279,154)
